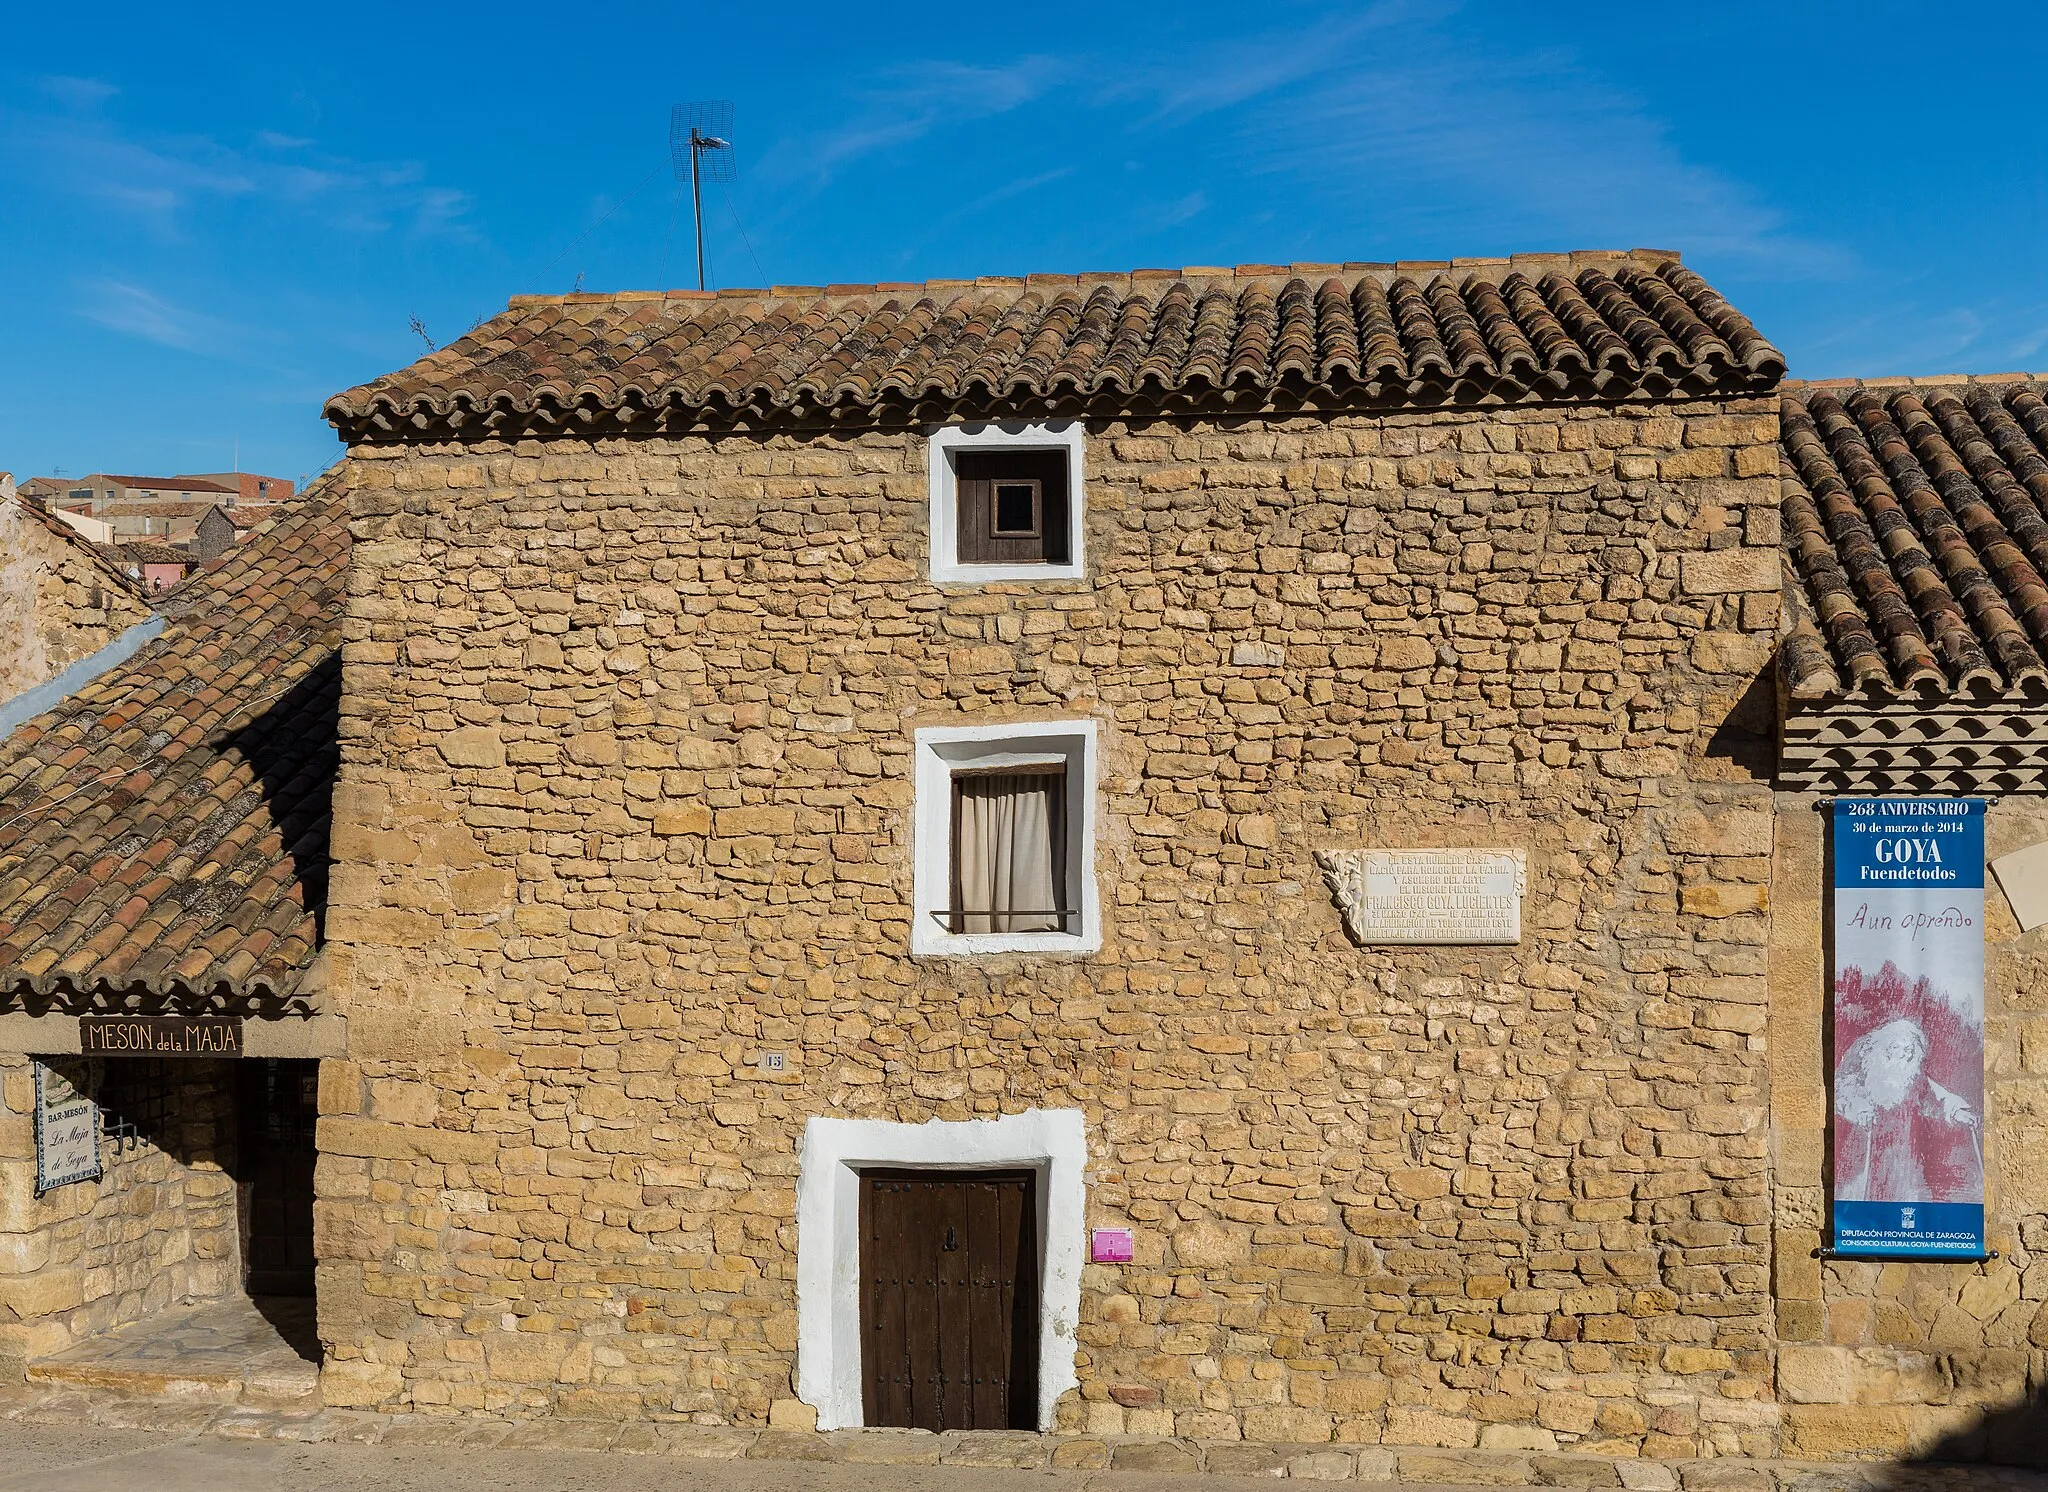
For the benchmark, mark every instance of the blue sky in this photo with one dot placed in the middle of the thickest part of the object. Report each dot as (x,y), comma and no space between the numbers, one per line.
(211,219)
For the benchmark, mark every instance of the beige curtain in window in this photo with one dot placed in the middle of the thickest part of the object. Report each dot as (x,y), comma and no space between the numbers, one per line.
(1009,851)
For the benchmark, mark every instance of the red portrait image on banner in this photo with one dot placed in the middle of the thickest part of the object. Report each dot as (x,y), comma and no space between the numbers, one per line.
(1908,1088)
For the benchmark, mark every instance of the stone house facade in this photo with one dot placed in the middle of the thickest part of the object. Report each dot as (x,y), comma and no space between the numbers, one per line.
(636,692)
(629,803)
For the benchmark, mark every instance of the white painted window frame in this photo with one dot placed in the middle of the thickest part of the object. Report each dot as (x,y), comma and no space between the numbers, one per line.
(942,750)
(1048,435)
(1052,1142)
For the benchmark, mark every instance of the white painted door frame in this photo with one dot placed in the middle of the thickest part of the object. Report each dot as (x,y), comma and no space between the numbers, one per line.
(1052,1142)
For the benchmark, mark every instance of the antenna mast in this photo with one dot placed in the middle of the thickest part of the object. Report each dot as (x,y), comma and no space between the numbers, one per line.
(700,146)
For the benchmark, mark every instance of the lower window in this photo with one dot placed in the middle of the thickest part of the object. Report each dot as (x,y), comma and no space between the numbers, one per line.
(1005,827)
(1009,852)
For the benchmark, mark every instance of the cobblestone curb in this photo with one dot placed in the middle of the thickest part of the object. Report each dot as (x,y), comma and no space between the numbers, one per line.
(1005,1449)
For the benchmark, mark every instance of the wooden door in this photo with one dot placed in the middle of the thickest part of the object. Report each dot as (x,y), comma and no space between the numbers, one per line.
(949,1299)
(277,1100)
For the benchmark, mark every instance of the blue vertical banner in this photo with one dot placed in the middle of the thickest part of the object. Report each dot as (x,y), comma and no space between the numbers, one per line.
(1909,1027)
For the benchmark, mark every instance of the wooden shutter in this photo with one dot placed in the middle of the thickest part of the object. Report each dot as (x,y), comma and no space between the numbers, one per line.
(971,526)
(976,474)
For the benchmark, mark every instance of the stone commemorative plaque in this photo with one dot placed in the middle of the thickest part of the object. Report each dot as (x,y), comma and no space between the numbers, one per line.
(1428,896)
(160,1036)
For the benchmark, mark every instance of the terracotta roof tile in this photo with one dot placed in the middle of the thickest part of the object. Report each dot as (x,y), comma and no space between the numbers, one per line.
(1424,333)
(1916,535)
(165,828)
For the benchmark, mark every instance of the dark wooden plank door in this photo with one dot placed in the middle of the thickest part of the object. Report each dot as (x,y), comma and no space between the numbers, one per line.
(278,1104)
(949,1299)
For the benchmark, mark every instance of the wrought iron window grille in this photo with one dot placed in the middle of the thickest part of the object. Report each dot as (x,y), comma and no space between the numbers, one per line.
(951,917)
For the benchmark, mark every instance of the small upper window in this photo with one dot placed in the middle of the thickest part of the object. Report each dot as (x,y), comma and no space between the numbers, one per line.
(1011,506)
(1006,502)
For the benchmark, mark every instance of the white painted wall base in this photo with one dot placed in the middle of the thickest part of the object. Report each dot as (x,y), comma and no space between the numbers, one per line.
(1053,1142)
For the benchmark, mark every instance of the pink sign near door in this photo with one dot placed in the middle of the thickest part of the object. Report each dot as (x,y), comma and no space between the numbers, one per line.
(1110,1246)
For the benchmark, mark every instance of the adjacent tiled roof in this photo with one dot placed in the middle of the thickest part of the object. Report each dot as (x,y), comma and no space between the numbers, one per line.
(1306,335)
(165,484)
(150,552)
(165,828)
(97,556)
(1916,542)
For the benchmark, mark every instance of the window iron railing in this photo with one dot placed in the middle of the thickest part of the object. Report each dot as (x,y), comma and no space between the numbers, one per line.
(950,917)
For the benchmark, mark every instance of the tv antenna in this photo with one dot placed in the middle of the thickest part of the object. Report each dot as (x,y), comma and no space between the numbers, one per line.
(700,146)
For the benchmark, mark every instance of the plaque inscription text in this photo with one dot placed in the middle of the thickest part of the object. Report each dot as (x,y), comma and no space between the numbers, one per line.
(1428,896)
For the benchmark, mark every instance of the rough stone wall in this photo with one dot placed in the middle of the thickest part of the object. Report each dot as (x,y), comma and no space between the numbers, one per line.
(56,605)
(625,799)
(1898,1359)
(158,1227)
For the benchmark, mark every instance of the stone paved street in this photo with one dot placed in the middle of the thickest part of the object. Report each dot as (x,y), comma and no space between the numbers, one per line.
(84,1440)
(85,1458)
(96,1460)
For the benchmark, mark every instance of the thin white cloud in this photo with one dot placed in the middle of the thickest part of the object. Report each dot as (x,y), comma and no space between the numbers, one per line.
(910,102)
(1907,336)
(136,312)
(78,93)
(1176,213)
(1391,118)
(164,180)
(2030,342)
(1253,66)
(1008,191)
(1390,130)
(1538,147)
(1011,189)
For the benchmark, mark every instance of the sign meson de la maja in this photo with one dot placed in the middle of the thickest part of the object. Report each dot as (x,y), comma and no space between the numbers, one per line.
(1445,896)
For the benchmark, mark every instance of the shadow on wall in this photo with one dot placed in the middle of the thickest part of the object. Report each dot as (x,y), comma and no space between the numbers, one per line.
(1747,737)
(2016,1436)
(151,1105)
(294,749)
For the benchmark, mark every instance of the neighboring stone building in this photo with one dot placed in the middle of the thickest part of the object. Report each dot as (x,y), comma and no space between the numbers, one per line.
(215,535)
(200,773)
(1915,661)
(826,772)
(60,599)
